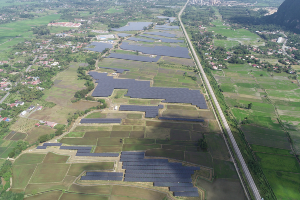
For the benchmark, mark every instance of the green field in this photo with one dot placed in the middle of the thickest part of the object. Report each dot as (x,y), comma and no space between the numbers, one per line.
(115,10)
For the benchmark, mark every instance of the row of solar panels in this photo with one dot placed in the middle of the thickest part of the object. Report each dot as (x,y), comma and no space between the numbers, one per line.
(99,46)
(139,39)
(172,184)
(150,111)
(118,70)
(159,171)
(166,27)
(163,39)
(165,34)
(101,121)
(98,154)
(142,89)
(134,175)
(181,180)
(181,119)
(180,52)
(160,167)
(133,57)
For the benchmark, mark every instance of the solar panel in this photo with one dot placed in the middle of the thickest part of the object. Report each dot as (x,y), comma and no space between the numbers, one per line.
(159,168)
(75,148)
(132,156)
(170,184)
(131,152)
(182,180)
(127,175)
(163,39)
(41,147)
(152,171)
(100,121)
(133,57)
(186,194)
(181,119)
(142,89)
(150,111)
(140,39)
(99,46)
(147,163)
(133,26)
(52,144)
(98,154)
(111,174)
(165,34)
(180,52)
(166,27)
(123,34)
(183,189)
(118,70)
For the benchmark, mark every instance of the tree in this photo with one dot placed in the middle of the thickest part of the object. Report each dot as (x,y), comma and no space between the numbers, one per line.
(249,106)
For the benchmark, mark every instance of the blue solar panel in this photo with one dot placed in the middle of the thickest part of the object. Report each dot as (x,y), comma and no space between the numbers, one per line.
(52,144)
(186,194)
(181,119)
(123,34)
(132,152)
(147,163)
(118,70)
(159,168)
(133,57)
(101,121)
(98,154)
(169,171)
(180,52)
(165,34)
(99,46)
(183,189)
(163,39)
(132,156)
(182,180)
(127,175)
(150,111)
(139,39)
(166,27)
(41,147)
(142,89)
(170,184)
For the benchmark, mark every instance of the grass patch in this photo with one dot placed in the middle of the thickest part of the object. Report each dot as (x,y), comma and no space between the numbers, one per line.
(135,192)
(138,141)
(179,155)
(96,115)
(29,158)
(99,189)
(75,134)
(45,173)
(54,158)
(77,168)
(140,147)
(270,150)
(21,175)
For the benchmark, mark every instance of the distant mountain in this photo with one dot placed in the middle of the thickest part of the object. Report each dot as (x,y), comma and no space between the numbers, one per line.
(288,15)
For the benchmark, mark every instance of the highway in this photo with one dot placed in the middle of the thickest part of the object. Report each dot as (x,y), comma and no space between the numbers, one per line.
(219,110)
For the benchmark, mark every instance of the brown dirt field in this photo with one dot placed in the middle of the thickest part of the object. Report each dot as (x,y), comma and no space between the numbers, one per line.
(121,128)
(79,141)
(103,149)
(19,136)
(70,196)
(199,128)
(181,113)
(99,189)
(36,132)
(119,134)
(181,61)
(46,196)
(10,135)
(179,135)
(157,132)
(201,158)
(92,128)
(182,126)
(77,168)
(222,189)
(179,155)
(54,158)
(137,134)
(116,115)
(174,147)
(83,105)
(195,136)
(179,107)
(58,114)
(137,193)
(108,141)
(206,114)
(122,198)
(23,125)
(133,122)
(45,173)
(138,128)
(97,134)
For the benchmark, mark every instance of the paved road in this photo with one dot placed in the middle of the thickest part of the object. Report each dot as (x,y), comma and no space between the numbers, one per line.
(3,99)
(223,119)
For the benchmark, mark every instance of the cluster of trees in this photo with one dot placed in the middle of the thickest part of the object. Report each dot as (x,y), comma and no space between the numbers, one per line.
(197,15)
(41,30)
(21,146)
(169,13)
(202,143)
(59,131)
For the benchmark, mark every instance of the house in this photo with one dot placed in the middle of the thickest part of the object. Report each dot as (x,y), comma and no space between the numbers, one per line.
(31,108)
(23,113)
(37,125)
(51,124)
(19,102)
(39,108)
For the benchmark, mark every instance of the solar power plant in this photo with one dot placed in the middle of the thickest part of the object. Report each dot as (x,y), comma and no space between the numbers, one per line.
(150,111)
(41,147)
(52,144)
(182,119)
(183,189)
(150,162)
(171,19)
(163,39)
(133,57)
(131,152)
(133,26)
(118,70)
(99,46)
(159,167)
(101,121)
(123,34)
(186,194)
(139,39)
(104,178)
(170,171)
(157,176)
(180,52)
(98,154)
(166,27)
(161,34)
(75,148)
(170,184)
(83,151)
(104,174)
(182,180)
(142,89)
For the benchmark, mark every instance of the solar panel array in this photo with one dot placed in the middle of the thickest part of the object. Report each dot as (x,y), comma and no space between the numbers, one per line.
(166,27)
(99,46)
(100,120)
(133,57)
(161,34)
(41,147)
(164,174)
(180,52)
(182,119)
(133,26)
(52,144)
(123,34)
(139,39)
(163,39)
(107,176)
(142,89)
(118,70)
(150,111)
